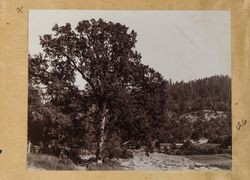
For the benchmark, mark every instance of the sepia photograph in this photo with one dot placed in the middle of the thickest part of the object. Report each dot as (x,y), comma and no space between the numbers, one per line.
(123,90)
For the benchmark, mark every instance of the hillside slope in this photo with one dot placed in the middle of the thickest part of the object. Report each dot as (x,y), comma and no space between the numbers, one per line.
(194,125)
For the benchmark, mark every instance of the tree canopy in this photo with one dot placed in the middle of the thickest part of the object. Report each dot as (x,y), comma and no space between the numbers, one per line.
(121,94)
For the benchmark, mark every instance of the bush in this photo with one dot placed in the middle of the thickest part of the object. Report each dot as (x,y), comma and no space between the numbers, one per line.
(117,152)
(114,149)
(186,144)
(126,154)
(200,149)
(73,154)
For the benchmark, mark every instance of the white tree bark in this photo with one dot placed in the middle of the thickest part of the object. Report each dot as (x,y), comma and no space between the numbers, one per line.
(102,134)
(102,138)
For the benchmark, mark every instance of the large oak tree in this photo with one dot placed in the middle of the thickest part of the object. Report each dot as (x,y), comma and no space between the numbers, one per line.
(121,92)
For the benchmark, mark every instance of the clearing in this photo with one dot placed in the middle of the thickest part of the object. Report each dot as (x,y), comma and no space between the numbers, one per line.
(163,162)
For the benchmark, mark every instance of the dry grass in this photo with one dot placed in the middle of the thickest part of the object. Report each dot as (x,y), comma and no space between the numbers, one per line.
(47,162)
(107,166)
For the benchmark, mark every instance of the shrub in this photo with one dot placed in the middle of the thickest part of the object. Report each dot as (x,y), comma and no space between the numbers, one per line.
(207,148)
(126,154)
(114,149)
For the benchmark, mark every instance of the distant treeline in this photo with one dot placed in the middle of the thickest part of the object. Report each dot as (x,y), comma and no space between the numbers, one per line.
(196,109)
(211,93)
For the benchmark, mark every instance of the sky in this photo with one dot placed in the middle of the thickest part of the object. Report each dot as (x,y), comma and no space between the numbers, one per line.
(181,45)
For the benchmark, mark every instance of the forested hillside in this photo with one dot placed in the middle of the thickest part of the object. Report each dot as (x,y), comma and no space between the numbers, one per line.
(199,108)
(211,93)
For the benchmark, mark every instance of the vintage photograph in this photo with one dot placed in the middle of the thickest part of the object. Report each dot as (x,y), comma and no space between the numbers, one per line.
(112,90)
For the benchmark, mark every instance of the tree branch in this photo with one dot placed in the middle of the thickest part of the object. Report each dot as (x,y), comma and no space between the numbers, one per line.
(83,75)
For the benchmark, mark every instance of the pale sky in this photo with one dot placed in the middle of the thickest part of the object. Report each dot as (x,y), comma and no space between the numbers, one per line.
(181,45)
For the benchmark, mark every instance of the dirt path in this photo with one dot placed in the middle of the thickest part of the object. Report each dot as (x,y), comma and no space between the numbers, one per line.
(159,161)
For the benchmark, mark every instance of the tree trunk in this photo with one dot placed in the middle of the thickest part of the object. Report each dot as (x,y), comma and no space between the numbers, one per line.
(101,135)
